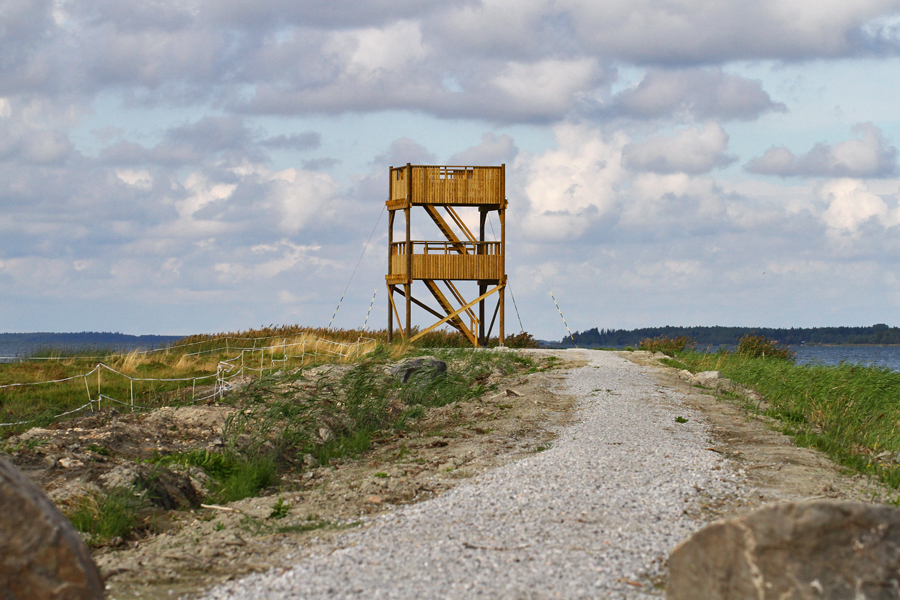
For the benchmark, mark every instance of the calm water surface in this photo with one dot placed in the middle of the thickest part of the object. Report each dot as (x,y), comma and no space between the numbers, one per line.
(881,356)
(10,351)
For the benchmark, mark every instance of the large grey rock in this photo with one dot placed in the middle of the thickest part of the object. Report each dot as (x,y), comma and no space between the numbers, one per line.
(406,369)
(793,551)
(707,379)
(41,554)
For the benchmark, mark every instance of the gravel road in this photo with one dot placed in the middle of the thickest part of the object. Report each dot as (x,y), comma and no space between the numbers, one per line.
(594,516)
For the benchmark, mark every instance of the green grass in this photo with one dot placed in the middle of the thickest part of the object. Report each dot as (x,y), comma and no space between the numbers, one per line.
(70,380)
(279,510)
(191,357)
(103,516)
(282,419)
(851,412)
(234,476)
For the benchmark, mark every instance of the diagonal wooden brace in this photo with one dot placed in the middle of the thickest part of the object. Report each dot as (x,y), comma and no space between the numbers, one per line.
(456,322)
(446,230)
(456,312)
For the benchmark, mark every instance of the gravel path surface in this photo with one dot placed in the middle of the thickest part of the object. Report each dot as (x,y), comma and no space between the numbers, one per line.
(592,517)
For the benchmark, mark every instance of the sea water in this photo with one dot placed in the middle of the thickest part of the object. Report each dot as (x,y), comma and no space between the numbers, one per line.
(880,356)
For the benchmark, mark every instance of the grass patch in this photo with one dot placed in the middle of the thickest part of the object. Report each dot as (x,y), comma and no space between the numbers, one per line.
(103,516)
(279,510)
(848,411)
(335,415)
(234,476)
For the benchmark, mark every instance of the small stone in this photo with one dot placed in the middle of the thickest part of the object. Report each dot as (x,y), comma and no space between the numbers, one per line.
(310,461)
(374,499)
(325,434)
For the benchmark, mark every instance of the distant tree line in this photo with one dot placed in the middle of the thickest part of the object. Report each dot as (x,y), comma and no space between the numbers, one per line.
(727,336)
(88,339)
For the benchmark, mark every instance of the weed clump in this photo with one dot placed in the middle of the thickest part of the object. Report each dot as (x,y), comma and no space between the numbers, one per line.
(758,346)
(102,516)
(234,476)
(667,345)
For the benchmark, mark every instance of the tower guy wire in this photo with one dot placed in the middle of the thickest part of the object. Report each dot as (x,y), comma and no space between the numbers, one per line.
(511,295)
(543,277)
(353,274)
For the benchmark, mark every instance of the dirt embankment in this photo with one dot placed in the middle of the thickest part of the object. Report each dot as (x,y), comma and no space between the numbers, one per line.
(182,551)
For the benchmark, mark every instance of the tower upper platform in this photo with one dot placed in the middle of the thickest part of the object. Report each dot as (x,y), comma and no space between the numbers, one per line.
(419,185)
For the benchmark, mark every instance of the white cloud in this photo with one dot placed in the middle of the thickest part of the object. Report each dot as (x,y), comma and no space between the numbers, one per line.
(492,150)
(569,186)
(547,87)
(266,261)
(371,50)
(202,192)
(870,156)
(689,150)
(138,178)
(851,204)
(674,33)
(299,196)
(694,94)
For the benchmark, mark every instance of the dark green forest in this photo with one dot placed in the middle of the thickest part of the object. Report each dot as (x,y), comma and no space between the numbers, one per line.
(87,339)
(726,336)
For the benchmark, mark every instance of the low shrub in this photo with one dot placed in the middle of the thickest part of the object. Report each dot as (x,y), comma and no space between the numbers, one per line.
(521,340)
(758,346)
(667,345)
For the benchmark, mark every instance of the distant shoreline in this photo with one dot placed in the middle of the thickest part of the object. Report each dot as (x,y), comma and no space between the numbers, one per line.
(26,343)
(872,335)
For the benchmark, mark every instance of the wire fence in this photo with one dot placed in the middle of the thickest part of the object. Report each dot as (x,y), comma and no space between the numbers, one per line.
(245,364)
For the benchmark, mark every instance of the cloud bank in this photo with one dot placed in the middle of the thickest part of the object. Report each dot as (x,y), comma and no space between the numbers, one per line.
(224,180)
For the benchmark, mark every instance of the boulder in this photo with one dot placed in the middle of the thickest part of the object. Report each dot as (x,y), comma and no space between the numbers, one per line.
(165,488)
(707,379)
(407,368)
(792,551)
(168,489)
(41,554)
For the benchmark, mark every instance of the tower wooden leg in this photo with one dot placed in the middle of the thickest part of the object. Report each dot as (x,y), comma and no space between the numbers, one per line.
(390,337)
(502,302)
(408,311)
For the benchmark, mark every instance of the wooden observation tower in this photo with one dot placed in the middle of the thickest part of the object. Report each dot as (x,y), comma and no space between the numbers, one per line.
(444,194)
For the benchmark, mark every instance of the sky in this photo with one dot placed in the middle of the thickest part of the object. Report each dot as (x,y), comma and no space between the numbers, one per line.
(176,167)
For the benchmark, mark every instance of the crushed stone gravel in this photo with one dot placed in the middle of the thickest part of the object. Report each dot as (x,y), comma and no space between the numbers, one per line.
(594,516)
